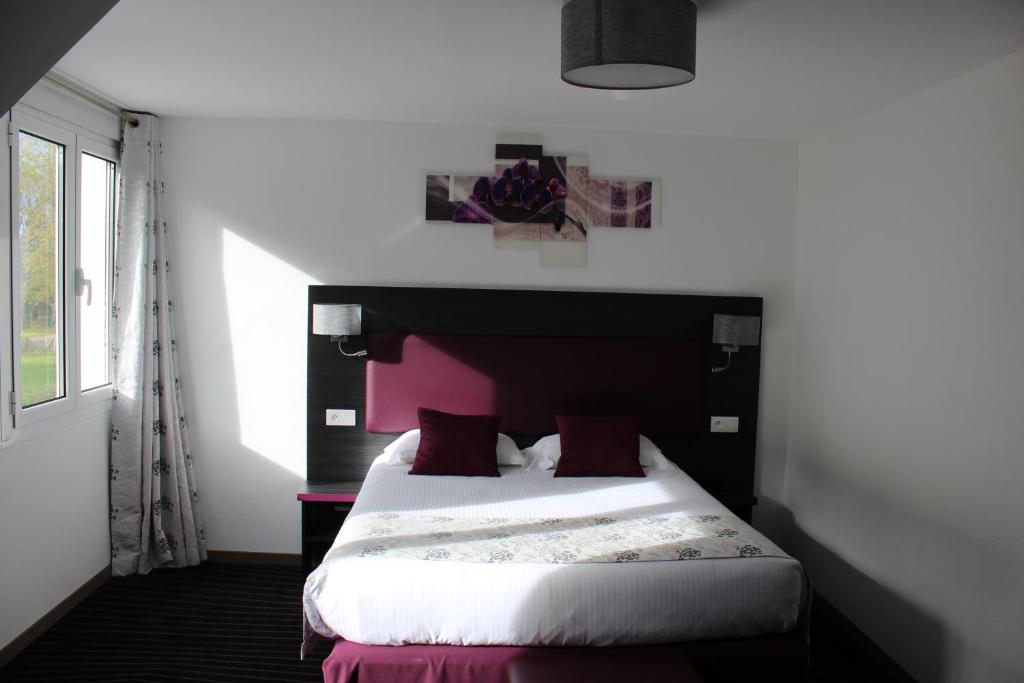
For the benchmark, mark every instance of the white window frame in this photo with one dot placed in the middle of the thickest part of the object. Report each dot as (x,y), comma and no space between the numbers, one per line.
(108,151)
(22,121)
(20,423)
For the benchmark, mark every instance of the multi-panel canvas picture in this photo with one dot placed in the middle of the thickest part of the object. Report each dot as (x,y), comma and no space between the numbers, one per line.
(536,197)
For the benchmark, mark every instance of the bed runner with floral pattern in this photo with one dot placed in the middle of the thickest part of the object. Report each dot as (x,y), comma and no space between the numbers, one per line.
(549,540)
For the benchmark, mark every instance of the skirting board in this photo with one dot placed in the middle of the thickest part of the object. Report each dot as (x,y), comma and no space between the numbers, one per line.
(8,652)
(893,670)
(241,557)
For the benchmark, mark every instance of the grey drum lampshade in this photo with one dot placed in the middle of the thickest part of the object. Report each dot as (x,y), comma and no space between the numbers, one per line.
(736,330)
(338,320)
(628,44)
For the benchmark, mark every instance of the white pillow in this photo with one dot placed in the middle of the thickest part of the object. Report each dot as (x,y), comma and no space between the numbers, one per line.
(652,457)
(402,451)
(544,454)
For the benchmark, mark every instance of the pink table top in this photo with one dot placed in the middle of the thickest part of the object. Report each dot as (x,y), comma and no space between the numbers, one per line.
(339,492)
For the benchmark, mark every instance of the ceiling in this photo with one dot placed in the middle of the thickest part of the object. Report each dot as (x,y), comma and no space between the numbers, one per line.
(765,68)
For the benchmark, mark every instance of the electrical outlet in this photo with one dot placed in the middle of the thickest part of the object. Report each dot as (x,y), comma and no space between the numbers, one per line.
(721,423)
(341,418)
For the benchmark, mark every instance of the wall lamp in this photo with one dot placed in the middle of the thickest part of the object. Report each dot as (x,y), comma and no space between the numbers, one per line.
(340,321)
(734,331)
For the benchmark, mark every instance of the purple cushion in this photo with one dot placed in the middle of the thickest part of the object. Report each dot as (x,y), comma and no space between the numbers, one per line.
(460,445)
(606,446)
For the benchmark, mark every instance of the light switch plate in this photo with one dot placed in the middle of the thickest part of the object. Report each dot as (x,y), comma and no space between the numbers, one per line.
(722,423)
(341,418)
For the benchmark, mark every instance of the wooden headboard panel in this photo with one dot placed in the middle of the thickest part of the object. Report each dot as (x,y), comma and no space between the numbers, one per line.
(722,463)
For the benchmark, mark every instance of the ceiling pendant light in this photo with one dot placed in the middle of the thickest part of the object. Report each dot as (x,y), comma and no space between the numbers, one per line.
(628,44)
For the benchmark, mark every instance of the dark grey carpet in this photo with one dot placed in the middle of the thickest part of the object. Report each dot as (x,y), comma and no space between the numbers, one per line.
(222,622)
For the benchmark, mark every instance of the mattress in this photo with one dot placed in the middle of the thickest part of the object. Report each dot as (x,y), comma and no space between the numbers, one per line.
(397,601)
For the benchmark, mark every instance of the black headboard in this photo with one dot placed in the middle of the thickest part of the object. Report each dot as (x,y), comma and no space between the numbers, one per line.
(722,463)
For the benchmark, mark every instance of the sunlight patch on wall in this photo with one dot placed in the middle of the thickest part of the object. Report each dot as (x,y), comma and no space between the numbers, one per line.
(266,302)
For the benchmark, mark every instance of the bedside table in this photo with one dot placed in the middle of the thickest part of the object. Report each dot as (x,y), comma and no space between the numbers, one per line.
(324,509)
(740,505)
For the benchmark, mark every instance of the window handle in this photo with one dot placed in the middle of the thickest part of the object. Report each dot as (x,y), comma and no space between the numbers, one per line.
(81,284)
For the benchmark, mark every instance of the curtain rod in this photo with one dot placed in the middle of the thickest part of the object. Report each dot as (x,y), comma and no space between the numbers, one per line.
(78,89)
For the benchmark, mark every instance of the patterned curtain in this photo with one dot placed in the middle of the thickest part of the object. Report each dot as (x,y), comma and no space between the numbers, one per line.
(154,506)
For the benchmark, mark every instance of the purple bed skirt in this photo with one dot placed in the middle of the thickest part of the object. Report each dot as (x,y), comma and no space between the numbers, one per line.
(765,659)
(356,663)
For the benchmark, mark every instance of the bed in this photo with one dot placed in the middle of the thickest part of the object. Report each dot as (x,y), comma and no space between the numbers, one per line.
(413,588)
(376,587)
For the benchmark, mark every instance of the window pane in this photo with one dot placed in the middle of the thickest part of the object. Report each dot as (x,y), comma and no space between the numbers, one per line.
(41,212)
(95,230)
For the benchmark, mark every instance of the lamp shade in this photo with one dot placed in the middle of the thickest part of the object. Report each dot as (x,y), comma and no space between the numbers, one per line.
(338,320)
(736,330)
(628,44)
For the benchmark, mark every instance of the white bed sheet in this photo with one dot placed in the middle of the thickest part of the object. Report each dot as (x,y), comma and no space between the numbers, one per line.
(389,601)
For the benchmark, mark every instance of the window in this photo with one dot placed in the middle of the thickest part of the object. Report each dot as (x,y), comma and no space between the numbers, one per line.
(41,179)
(63,190)
(93,277)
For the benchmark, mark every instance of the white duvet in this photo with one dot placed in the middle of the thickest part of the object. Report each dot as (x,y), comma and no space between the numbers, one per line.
(393,601)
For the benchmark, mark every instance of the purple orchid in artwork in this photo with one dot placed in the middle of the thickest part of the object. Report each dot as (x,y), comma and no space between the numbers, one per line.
(520,186)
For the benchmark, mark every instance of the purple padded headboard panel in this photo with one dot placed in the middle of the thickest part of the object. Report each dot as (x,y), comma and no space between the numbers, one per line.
(528,380)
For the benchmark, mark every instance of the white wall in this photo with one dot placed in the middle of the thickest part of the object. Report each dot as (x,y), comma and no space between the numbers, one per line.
(259,209)
(907,439)
(54,533)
